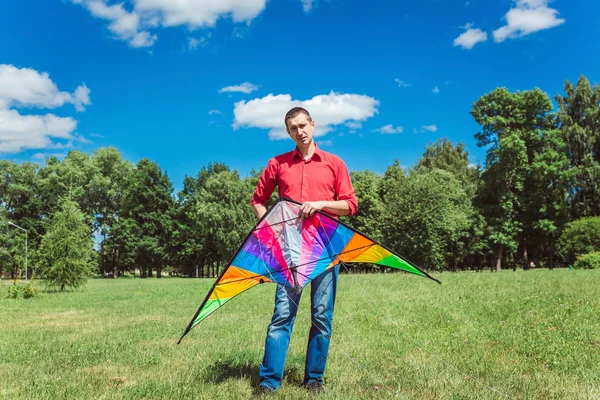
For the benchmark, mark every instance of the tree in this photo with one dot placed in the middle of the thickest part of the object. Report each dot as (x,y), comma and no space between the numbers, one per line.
(427,213)
(369,216)
(66,248)
(579,120)
(148,209)
(512,125)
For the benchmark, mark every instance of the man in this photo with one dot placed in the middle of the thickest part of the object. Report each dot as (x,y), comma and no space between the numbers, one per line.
(319,181)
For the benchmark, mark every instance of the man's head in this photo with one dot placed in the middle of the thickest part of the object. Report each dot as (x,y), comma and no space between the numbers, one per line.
(300,126)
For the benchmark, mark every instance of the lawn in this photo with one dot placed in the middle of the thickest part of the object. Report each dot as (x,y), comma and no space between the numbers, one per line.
(523,335)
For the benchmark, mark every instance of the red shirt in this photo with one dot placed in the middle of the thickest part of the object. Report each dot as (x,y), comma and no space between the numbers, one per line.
(323,176)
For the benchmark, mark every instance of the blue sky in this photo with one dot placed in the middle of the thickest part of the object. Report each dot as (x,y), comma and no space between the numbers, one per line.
(190,82)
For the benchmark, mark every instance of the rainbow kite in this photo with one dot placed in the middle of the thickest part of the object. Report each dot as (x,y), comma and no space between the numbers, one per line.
(283,248)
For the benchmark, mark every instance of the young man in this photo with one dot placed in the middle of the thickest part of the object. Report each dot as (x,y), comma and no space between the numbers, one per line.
(319,181)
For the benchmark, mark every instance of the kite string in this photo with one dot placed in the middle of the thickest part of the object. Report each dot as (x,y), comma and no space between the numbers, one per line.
(419,345)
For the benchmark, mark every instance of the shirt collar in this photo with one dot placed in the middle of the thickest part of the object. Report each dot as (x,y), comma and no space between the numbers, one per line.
(318,153)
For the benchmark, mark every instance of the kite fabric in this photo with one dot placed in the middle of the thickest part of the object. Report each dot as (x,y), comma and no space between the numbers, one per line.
(286,249)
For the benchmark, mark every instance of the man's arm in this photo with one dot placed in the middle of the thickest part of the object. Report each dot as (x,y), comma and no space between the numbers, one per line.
(264,188)
(259,210)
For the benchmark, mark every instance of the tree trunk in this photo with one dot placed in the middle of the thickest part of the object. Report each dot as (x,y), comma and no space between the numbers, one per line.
(149,275)
(499,260)
(525,257)
(142,272)
(158,272)
(551,259)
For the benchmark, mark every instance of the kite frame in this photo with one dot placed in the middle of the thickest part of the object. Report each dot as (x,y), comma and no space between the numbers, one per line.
(280,199)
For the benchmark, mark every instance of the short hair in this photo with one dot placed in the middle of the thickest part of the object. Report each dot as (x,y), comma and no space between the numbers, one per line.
(294,112)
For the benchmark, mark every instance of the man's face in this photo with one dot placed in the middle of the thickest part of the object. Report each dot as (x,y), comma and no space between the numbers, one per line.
(301,129)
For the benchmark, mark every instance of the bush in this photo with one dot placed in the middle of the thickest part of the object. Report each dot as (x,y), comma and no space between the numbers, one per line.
(588,261)
(15,291)
(28,291)
(580,237)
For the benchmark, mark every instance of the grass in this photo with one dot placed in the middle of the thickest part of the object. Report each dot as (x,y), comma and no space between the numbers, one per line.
(523,335)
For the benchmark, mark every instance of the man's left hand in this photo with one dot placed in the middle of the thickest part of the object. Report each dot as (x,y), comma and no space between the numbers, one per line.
(309,208)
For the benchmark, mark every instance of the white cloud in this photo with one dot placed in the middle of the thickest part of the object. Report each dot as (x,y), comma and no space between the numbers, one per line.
(389,129)
(128,26)
(526,17)
(324,143)
(429,128)
(25,87)
(96,135)
(19,132)
(401,83)
(327,110)
(28,88)
(215,112)
(470,37)
(436,90)
(414,130)
(245,87)
(134,23)
(194,43)
(354,125)
(307,5)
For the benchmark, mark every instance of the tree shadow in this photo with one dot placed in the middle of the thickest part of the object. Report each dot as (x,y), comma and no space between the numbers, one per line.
(224,370)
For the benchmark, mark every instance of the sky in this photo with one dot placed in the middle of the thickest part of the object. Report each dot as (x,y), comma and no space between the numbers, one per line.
(189,82)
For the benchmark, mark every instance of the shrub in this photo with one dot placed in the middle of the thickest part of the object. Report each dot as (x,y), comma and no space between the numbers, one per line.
(28,291)
(580,237)
(15,291)
(588,261)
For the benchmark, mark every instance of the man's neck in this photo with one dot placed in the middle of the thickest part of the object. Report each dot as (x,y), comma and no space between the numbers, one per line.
(307,151)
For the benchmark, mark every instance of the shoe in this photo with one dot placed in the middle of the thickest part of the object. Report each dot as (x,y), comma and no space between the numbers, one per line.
(314,387)
(264,391)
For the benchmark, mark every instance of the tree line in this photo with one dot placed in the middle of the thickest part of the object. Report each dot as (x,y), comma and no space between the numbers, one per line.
(111,217)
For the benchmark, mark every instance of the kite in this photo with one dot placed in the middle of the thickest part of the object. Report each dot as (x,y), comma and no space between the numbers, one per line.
(286,249)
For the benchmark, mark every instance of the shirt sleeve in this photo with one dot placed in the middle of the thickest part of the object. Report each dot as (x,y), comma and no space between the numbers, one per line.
(266,184)
(344,189)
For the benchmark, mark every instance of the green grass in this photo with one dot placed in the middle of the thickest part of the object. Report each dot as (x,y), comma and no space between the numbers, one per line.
(524,335)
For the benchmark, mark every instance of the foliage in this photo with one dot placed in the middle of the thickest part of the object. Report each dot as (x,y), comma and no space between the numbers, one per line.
(588,261)
(580,237)
(28,291)
(66,249)
(15,291)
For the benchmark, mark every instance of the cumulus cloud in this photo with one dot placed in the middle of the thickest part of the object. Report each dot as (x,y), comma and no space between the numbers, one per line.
(327,111)
(527,17)
(133,21)
(436,90)
(389,129)
(215,112)
(25,87)
(470,37)
(429,128)
(245,87)
(324,143)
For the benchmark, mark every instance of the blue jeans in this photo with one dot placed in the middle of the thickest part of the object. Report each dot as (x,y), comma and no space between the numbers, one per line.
(322,292)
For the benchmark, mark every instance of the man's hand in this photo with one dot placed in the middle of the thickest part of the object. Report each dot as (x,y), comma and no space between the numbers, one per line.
(309,208)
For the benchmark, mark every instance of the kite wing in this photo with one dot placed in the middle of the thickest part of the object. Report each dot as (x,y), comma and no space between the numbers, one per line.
(285,249)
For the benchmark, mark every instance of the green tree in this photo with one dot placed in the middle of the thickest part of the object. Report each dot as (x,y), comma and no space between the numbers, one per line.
(148,209)
(579,120)
(513,125)
(369,216)
(580,237)
(427,212)
(66,248)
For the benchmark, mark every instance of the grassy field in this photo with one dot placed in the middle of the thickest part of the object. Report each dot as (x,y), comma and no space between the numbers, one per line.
(523,335)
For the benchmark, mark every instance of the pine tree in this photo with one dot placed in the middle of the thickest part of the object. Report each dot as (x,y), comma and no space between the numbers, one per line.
(66,249)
